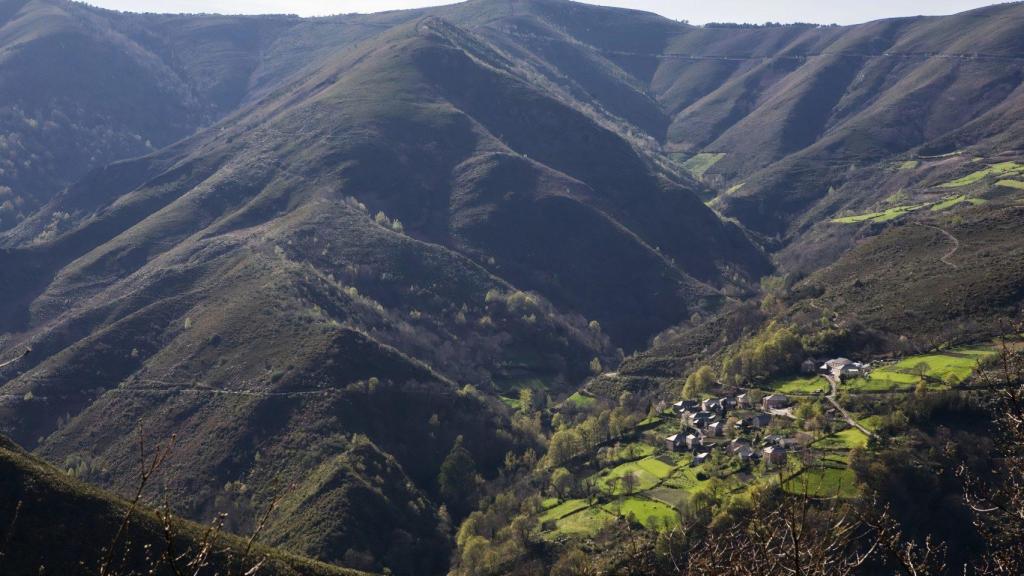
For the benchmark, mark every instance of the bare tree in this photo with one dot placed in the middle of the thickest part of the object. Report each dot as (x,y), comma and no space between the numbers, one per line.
(999,505)
(629,483)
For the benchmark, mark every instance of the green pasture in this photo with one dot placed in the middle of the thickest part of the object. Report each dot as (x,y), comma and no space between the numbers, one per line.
(701,163)
(824,482)
(884,216)
(1001,169)
(799,385)
(651,513)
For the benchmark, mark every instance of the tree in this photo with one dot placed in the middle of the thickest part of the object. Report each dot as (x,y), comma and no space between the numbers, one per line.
(626,399)
(563,446)
(526,399)
(572,563)
(921,369)
(595,366)
(456,481)
(698,382)
(629,482)
(998,506)
(562,482)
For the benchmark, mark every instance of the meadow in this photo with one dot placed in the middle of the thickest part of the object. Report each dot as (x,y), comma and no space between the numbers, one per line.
(799,385)
(701,163)
(824,482)
(884,216)
(939,370)
(1001,169)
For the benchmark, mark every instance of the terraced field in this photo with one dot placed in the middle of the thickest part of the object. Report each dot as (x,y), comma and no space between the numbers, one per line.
(562,510)
(884,216)
(671,496)
(842,440)
(581,400)
(956,201)
(701,163)
(652,514)
(825,482)
(647,473)
(938,371)
(799,385)
(1001,169)
(584,522)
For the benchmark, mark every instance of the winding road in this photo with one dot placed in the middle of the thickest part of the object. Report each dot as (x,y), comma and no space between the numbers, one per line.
(9,362)
(834,385)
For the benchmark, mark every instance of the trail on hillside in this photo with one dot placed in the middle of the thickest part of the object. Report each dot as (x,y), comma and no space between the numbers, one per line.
(956,245)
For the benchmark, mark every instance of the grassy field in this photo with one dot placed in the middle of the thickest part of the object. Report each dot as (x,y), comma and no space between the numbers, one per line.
(581,400)
(824,482)
(564,509)
(956,201)
(937,368)
(582,523)
(885,216)
(1017,184)
(808,385)
(1001,169)
(610,480)
(656,467)
(843,440)
(701,163)
(852,438)
(882,380)
(651,513)
(674,497)
(908,165)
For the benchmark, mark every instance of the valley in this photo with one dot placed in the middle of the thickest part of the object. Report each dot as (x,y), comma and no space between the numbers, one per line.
(449,290)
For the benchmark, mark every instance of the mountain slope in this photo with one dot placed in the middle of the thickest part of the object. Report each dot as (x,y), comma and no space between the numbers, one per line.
(235,289)
(351,236)
(42,503)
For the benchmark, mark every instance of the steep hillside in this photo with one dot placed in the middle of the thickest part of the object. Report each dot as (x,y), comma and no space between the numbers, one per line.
(310,285)
(85,87)
(43,504)
(332,254)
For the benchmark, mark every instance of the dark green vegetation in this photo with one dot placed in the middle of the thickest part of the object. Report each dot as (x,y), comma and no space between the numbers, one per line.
(79,524)
(362,265)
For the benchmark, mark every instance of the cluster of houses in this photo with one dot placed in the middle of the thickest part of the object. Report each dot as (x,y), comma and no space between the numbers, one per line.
(703,423)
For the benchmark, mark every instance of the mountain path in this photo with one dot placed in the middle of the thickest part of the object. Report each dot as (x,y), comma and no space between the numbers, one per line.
(956,245)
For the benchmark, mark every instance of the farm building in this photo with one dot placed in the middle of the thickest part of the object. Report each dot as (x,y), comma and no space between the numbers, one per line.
(843,368)
(716,429)
(775,402)
(675,442)
(775,455)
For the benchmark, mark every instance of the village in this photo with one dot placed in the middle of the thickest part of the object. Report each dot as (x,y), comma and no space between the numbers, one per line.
(740,425)
(799,431)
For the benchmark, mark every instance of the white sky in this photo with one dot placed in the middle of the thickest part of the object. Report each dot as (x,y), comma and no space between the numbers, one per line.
(696,11)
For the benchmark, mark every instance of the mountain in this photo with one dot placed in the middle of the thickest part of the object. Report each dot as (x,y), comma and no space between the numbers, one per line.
(302,292)
(333,256)
(44,504)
